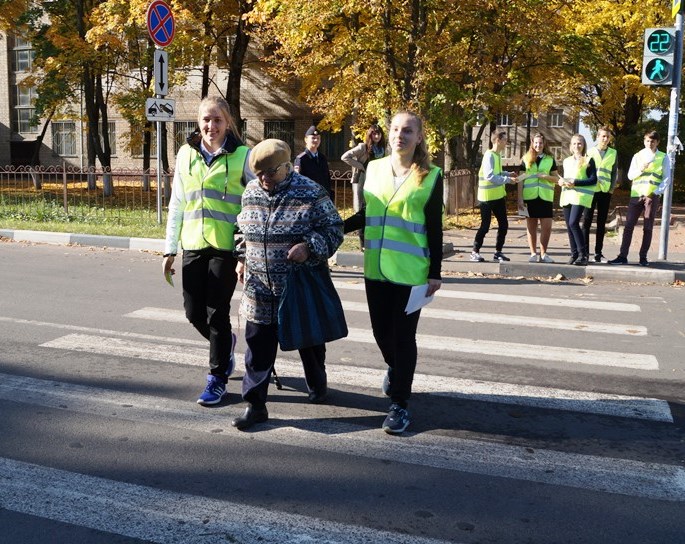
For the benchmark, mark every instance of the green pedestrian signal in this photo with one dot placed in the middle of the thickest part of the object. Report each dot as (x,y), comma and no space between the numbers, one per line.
(658,56)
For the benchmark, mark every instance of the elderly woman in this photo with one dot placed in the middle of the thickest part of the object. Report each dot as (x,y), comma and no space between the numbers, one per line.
(286,218)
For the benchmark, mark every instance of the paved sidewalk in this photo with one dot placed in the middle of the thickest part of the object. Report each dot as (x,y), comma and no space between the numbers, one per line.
(458,244)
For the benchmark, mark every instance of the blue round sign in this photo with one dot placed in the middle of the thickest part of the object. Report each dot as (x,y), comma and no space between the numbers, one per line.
(160,23)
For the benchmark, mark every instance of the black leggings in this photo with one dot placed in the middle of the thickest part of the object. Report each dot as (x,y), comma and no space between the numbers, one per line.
(576,239)
(487,209)
(395,334)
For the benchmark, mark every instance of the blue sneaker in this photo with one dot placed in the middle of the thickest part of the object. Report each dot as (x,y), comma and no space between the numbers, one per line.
(397,420)
(231,359)
(214,391)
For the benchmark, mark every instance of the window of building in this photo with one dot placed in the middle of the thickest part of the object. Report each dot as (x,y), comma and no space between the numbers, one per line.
(24,112)
(333,145)
(556,119)
(533,121)
(504,120)
(112,130)
(137,141)
(557,151)
(22,55)
(64,138)
(223,52)
(282,130)
(182,129)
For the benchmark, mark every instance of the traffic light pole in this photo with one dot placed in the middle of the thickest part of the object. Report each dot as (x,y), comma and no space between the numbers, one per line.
(674,144)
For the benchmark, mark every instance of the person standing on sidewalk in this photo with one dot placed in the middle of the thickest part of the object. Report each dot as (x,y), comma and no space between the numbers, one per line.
(492,196)
(403,237)
(577,190)
(210,176)
(606,163)
(537,193)
(312,163)
(650,173)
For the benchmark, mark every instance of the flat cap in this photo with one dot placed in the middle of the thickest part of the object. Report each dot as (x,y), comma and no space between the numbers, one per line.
(269,154)
(312,131)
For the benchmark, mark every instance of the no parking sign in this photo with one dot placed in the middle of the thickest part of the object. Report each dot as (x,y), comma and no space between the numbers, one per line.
(160,23)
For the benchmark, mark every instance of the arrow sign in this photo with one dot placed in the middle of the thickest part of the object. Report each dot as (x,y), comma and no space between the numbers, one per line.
(161,70)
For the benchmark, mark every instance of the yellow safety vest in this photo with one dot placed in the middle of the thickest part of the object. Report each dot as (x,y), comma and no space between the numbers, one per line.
(212,195)
(605,166)
(395,237)
(534,187)
(647,182)
(488,191)
(576,195)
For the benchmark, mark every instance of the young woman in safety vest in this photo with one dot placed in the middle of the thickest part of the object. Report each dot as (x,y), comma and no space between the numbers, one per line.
(577,189)
(537,193)
(492,195)
(650,173)
(403,241)
(607,166)
(210,176)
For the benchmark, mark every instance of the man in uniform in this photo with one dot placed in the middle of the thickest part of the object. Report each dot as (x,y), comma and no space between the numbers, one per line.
(312,164)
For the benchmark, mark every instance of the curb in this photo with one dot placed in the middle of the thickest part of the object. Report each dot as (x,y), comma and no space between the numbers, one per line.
(600,272)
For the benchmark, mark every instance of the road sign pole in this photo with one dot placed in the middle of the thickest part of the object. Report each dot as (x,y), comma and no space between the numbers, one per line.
(159,172)
(673,142)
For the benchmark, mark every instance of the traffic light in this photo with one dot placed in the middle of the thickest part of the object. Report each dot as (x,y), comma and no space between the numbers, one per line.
(658,57)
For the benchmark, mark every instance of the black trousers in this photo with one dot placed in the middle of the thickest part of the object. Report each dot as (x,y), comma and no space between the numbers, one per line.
(395,334)
(260,356)
(636,207)
(209,280)
(600,202)
(487,209)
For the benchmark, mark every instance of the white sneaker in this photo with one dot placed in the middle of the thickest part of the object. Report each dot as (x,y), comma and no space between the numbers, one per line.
(534,258)
(476,258)
(546,259)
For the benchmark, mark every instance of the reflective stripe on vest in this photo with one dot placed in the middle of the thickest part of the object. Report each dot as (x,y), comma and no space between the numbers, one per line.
(489,191)
(395,237)
(576,195)
(212,195)
(605,165)
(647,182)
(534,187)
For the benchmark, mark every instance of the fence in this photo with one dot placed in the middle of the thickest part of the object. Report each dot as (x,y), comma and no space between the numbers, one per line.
(89,194)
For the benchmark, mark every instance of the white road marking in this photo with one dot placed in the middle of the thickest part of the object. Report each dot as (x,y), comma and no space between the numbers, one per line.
(501,393)
(167,517)
(605,474)
(538,322)
(515,299)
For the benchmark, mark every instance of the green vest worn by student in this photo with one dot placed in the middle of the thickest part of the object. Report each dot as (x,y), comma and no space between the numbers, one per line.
(488,191)
(212,195)
(395,237)
(576,195)
(534,187)
(605,165)
(647,182)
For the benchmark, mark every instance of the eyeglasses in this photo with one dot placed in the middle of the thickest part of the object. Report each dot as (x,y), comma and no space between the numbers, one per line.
(270,172)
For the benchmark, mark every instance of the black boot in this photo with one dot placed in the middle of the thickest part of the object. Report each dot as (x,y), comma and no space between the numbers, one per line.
(250,417)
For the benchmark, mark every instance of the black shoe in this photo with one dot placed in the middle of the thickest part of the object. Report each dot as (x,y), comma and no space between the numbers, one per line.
(573,259)
(644,262)
(318,397)
(619,260)
(599,258)
(250,417)
(397,420)
(581,261)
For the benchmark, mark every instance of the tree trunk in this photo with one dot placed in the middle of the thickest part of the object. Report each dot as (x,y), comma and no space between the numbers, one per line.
(237,61)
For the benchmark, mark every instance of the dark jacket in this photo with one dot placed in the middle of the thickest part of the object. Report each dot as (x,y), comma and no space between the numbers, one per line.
(315,168)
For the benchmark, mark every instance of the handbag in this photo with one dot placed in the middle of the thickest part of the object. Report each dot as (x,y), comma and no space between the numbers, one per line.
(310,312)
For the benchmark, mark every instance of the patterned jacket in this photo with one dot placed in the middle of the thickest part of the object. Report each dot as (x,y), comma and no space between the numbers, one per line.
(298,210)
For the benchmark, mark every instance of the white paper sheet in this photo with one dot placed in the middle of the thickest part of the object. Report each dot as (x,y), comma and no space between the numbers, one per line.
(417,298)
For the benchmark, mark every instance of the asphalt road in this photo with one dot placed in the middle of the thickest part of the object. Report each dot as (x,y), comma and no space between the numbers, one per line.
(543,412)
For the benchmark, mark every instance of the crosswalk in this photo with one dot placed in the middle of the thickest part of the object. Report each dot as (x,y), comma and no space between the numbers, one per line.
(159,515)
